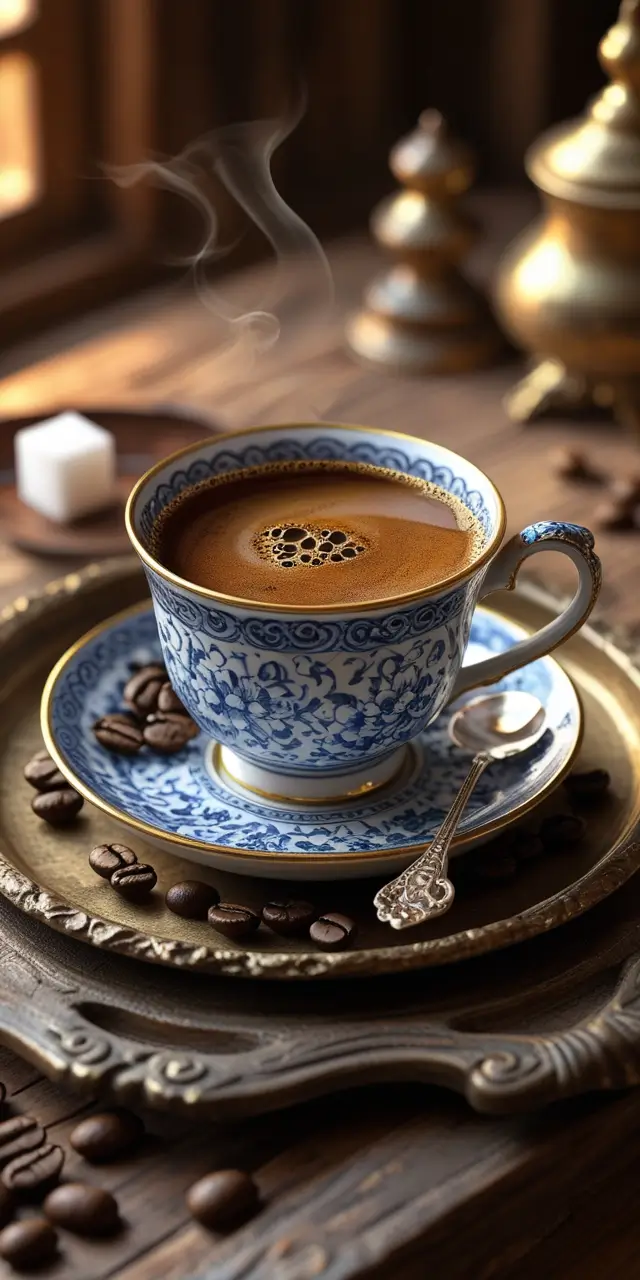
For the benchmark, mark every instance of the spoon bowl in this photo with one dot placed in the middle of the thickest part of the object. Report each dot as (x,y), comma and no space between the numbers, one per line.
(502,724)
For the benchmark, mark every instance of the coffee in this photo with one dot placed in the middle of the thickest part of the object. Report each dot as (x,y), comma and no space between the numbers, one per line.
(316,533)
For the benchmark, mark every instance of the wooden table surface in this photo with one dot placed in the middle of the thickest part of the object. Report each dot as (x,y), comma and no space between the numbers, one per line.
(384,1182)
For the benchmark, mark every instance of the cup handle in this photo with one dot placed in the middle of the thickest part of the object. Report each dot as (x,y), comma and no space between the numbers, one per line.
(546,535)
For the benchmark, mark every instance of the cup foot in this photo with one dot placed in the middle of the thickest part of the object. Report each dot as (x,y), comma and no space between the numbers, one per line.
(319,788)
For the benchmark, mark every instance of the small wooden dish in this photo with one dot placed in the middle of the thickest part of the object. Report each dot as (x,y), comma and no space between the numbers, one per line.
(143,436)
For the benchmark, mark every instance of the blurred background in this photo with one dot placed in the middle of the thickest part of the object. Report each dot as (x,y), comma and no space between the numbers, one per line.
(85,83)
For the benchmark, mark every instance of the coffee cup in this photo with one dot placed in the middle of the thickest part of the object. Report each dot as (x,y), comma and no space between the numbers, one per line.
(319,702)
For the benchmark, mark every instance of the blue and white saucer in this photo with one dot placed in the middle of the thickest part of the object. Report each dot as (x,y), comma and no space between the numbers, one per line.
(186,805)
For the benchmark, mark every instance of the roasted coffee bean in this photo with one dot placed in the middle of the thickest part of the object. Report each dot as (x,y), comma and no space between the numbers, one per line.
(32,1174)
(588,786)
(58,808)
(332,931)
(169,702)
(571,464)
(107,1135)
(562,829)
(495,870)
(6,1206)
(134,882)
(169,733)
(615,516)
(17,1135)
(192,899)
(29,1243)
(3,1093)
(43,773)
(528,847)
(626,490)
(233,920)
(107,858)
(222,1198)
(118,733)
(83,1209)
(141,691)
(289,918)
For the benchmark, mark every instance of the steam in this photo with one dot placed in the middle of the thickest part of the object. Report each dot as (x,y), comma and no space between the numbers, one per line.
(240,157)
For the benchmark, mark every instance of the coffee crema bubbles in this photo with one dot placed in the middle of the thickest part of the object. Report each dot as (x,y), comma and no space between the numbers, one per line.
(367,532)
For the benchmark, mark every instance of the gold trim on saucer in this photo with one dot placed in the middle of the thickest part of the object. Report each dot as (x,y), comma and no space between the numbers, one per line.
(284,859)
(365,789)
(41,870)
(267,606)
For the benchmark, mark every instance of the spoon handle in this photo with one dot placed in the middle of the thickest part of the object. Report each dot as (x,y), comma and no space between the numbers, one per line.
(423,890)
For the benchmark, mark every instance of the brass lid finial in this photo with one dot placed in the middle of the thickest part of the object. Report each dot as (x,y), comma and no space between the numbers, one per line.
(596,159)
(619,50)
(431,160)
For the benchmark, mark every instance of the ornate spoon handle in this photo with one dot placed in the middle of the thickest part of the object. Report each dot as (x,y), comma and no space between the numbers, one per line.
(423,890)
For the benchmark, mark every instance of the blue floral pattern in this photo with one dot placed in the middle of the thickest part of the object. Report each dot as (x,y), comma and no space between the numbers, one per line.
(308,694)
(180,796)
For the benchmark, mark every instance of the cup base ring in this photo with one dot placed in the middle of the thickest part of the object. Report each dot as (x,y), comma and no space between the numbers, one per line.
(282,788)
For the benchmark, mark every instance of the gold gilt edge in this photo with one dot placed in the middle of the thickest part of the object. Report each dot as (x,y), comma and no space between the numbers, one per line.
(607,875)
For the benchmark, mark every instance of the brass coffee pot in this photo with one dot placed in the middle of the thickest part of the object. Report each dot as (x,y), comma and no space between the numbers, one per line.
(568,290)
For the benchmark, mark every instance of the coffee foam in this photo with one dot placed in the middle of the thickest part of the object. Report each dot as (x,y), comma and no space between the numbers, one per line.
(262,559)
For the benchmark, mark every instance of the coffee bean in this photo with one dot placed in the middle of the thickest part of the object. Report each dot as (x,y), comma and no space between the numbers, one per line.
(169,733)
(588,786)
(528,847)
(34,1172)
(43,773)
(222,1198)
(107,858)
(134,882)
(614,515)
(289,918)
(141,691)
(83,1209)
(562,829)
(571,464)
(332,931)
(6,1206)
(3,1093)
(169,702)
(118,733)
(232,920)
(495,870)
(17,1135)
(192,899)
(58,808)
(29,1243)
(107,1135)
(626,490)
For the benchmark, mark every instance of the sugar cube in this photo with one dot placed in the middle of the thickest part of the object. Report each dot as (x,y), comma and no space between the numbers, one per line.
(65,467)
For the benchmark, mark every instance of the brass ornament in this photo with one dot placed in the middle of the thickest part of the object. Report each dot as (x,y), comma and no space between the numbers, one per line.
(422,315)
(568,289)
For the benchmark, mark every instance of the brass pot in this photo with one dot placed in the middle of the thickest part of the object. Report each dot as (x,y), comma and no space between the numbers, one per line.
(568,289)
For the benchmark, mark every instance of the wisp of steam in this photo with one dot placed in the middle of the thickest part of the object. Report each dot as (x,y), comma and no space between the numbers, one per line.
(240,156)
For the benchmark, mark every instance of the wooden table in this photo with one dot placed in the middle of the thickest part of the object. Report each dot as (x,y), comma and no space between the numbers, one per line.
(382,1183)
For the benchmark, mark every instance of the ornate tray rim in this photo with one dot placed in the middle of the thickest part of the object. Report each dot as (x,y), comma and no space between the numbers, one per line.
(608,874)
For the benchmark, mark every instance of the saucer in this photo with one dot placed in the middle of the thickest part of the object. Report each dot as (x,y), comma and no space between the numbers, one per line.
(187,804)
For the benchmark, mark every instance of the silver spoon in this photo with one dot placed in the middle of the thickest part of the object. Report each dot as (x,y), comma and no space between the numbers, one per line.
(495,726)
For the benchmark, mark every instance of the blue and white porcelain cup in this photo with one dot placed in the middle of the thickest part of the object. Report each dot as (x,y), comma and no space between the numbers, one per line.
(320,703)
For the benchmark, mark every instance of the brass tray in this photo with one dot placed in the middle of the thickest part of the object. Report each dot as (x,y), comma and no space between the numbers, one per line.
(44,872)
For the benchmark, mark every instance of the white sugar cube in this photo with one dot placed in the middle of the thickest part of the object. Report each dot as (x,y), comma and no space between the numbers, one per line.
(65,467)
